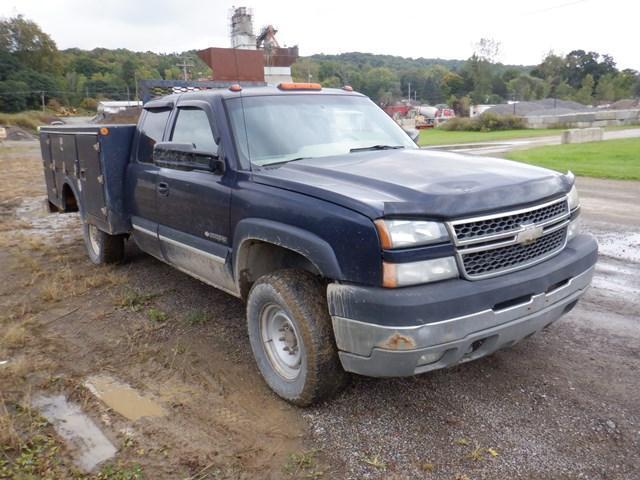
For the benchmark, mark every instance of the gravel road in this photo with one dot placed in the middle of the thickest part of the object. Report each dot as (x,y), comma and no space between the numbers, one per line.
(563,404)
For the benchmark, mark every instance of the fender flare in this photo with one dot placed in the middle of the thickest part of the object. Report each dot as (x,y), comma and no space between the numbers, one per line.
(303,242)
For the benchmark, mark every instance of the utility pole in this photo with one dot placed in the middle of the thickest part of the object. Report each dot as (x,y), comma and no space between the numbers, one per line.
(128,94)
(185,67)
(409,91)
(42,98)
(135,79)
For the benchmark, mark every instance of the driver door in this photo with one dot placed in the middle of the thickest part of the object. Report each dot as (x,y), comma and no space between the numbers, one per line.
(193,205)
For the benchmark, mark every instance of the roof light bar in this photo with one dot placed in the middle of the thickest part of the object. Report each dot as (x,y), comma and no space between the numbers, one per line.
(299,86)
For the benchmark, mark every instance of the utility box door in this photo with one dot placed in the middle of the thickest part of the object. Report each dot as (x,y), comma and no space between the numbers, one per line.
(47,163)
(91,176)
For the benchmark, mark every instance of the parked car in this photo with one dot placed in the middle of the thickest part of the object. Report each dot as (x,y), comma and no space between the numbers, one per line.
(354,250)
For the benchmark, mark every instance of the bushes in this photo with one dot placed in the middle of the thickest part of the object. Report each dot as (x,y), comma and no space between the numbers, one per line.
(486,122)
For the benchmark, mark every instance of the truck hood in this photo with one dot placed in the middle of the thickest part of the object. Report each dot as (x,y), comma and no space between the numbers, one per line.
(418,182)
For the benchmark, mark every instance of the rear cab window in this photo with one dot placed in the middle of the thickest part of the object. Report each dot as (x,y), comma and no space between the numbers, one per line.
(151,130)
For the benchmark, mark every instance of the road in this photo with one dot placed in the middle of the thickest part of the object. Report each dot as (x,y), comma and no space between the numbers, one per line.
(562,404)
(500,147)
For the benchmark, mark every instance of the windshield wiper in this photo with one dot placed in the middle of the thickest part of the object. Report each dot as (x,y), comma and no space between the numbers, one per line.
(282,162)
(376,147)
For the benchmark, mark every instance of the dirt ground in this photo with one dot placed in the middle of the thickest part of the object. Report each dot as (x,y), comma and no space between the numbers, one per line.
(563,404)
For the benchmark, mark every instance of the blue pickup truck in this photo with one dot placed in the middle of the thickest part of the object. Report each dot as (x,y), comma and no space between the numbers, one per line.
(354,250)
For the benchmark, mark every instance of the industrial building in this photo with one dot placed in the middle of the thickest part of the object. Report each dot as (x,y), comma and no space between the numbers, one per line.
(258,58)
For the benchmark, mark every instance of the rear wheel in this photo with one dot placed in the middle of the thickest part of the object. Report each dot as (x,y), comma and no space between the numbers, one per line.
(292,338)
(102,247)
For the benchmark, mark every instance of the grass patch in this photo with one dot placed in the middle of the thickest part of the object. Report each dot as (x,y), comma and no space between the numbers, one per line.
(617,159)
(302,465)
(197,318)
(438,136)
(157,315)
(134,300)
(30,120)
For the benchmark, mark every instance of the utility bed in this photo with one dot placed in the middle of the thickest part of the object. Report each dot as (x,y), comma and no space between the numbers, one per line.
(84,169)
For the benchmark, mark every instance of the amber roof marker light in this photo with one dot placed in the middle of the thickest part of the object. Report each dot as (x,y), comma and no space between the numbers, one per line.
(348,88)
(235,88)
(299,86)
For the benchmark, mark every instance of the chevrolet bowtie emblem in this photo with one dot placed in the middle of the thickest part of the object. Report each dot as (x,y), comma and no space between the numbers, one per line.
(529,235)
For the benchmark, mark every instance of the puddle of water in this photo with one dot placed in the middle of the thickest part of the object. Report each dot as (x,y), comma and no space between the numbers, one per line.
(50,226)
(89,446)
(624,246)
(122,398)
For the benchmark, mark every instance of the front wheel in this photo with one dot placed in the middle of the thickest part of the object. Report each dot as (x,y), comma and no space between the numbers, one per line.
(292,338)
(102,247)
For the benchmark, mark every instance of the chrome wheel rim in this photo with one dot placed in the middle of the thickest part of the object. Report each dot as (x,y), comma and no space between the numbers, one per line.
(281,341)
(93,239)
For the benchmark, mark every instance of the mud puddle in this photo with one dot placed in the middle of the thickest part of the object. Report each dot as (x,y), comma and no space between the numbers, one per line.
(122,398)
(622,245)
(50,226)
(88,445)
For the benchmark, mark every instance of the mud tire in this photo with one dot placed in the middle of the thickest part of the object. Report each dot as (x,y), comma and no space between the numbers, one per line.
(101,247)
(302,297)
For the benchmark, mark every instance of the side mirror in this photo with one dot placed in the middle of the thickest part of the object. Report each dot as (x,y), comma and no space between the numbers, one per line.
(414,134)
(184,156)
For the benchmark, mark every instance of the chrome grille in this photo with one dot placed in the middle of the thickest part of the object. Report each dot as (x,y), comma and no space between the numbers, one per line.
(499,259)
(495,244)
(490,226)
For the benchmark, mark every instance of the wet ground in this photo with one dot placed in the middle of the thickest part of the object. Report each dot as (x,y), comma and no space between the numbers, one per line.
(161,365)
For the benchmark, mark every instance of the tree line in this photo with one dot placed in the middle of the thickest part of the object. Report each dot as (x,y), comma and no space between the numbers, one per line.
(33,71)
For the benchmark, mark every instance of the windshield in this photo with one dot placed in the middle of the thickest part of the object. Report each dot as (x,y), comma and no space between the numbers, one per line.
(281,128)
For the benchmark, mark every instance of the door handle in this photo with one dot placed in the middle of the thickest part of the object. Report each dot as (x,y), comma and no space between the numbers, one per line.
(163,189)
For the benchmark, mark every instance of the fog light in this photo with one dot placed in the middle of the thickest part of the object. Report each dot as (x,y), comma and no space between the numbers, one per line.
(415,273)
(427,358)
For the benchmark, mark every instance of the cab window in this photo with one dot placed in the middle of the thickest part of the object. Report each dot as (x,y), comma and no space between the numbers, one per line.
(151,130)
(193,127)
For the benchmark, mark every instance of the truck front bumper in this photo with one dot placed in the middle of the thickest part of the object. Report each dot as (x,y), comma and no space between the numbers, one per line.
(402,332)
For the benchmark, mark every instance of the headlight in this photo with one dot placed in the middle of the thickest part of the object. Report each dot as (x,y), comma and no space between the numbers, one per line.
(410,233)
(573,199)
(414,273)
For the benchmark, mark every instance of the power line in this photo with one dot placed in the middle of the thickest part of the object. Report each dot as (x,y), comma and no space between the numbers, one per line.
(556,7)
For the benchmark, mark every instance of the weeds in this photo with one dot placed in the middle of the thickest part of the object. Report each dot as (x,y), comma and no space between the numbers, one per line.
(376,462)
(157,315)
(302,465)
(15,336)
(197,317)
(134,300)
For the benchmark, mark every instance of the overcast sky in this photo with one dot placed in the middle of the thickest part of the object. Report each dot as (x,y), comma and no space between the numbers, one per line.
(445,29)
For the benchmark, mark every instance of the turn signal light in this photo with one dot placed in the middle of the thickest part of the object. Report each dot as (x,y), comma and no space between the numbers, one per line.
(299,86)
(104,131)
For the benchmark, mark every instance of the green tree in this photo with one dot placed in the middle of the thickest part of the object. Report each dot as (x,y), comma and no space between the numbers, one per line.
(585,94)
(606,88)
(13,96)
(29,45)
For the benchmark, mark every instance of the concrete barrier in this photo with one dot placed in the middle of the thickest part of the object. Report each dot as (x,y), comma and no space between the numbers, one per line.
(597,118)
(582,135)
